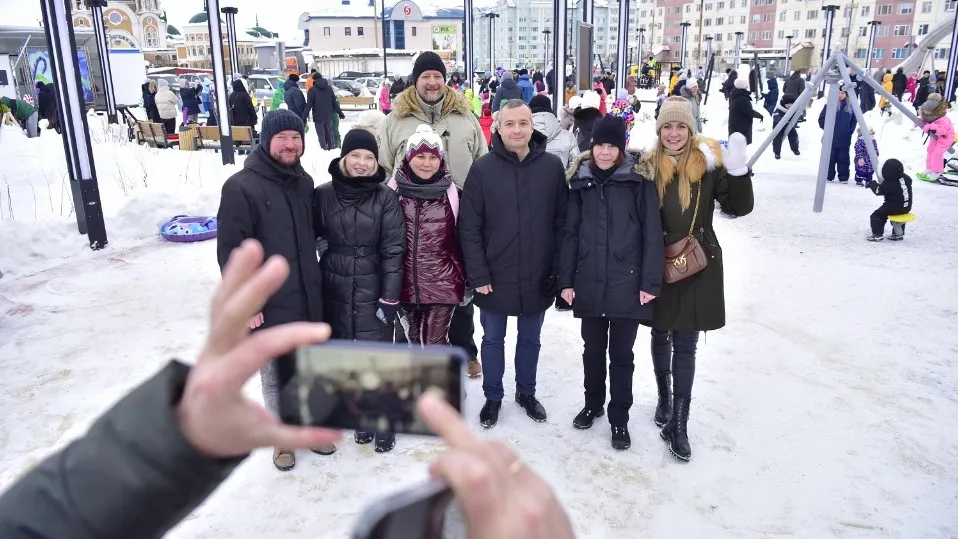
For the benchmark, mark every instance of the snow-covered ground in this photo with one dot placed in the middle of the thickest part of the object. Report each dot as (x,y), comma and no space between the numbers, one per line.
(827,407)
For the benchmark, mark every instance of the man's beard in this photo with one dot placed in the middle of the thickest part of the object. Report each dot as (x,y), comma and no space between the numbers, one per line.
(432,101)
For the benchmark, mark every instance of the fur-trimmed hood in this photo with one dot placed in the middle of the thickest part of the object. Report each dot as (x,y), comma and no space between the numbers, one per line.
(407,103)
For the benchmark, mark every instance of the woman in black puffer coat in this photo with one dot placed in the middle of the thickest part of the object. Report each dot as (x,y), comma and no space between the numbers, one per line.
(361,220)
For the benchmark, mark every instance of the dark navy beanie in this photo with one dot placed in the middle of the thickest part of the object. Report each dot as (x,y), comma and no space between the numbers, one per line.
(277,121)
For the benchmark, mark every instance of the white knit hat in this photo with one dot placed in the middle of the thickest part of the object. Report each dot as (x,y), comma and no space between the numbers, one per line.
(574,101)
(590,100)
(741,82)
(692,83)
(424,140)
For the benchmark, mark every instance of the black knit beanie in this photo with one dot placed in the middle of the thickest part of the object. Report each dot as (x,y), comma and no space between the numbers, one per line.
(293,77)
(359,139)
(609,130)
(788,99)
(277,121)
(427,61)
(540,103)
(892,170)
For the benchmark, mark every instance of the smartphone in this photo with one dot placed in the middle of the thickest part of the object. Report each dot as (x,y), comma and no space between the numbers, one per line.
(415,513)
(370,387)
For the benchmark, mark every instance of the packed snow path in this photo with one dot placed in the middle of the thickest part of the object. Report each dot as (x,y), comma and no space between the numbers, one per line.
(827,407)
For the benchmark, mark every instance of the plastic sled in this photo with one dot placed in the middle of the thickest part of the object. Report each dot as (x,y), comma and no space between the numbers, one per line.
(184,229)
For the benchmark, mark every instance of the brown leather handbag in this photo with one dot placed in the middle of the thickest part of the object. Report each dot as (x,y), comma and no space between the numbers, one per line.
(685,257)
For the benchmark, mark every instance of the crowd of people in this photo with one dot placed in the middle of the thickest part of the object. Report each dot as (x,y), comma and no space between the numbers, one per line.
(423,222)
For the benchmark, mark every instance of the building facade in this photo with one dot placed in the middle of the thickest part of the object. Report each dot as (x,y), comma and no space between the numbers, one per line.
(130,24)
(358,24)
(195,50)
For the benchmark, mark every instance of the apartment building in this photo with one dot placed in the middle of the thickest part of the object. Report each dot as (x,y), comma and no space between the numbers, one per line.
(195,51)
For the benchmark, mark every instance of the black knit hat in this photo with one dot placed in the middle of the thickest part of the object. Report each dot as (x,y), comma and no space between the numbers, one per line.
(277,121)
(523,71)
(360,139)
(293,77)
(540,103)
(892,170)
(609,130)
(788,99)
(427,61)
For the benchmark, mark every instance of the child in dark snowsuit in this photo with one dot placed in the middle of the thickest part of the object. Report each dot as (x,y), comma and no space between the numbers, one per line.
(864,168)
(896,188)
(787,101)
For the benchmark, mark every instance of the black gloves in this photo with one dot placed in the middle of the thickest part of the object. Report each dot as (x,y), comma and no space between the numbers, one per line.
(386,313)
(550,286)
(342,116)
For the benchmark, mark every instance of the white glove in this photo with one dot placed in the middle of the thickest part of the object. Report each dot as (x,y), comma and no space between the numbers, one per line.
(736,163)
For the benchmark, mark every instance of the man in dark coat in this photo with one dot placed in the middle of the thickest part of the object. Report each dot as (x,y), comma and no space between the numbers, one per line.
(845,125)
(269,200)
(551,81)
(926,86)
(506,91)
(396,88)
(898,83)
(190,95)
(149,102)
(322,102)
(294,97)
(740,111)
(47,106)
(511,225)
(242,111)
(795,85)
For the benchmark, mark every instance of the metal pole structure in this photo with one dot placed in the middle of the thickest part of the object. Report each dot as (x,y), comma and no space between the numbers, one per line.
(61,41)
(559,44)
(469,58)
(385,70)
(952,62)
(871,43)
(622,53)
(827,45)
(850,90)
(698,51)
(588,17)
(641,59)
(547,52)
(709,66)
(103,46)
(788,56)
(230,13)
(685,37)
(219,80)
(831,109)
(738,49)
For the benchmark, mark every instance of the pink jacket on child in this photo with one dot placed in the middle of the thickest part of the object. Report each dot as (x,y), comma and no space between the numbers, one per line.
(938,145)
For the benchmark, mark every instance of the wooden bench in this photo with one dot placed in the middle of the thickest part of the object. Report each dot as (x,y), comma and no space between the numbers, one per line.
(358,102)
(154,135)
(208,137)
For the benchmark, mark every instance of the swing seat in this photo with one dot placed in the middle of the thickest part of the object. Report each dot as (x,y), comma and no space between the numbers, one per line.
(902,218)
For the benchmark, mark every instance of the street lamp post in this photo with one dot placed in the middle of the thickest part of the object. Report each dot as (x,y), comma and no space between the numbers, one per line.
(492,40)
(685,36)
(871,43)
(545,53)
(788,55)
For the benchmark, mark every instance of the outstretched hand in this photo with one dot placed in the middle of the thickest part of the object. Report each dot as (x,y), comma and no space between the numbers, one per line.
(736,162)
(214,415)
(500,496)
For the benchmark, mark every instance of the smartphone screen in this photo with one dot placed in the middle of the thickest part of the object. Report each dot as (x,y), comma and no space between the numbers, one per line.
(369,387)
(415,513)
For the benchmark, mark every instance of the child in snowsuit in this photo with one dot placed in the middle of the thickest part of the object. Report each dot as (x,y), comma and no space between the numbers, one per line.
(787,101)
(896,188)
(936,123)
(485,122)
(864,168)
(845,124)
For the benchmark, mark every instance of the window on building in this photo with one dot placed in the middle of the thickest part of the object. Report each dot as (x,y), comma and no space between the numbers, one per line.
(414,29)
(898,54)
(756,18)
(756,2)
(878,54)
(720,21)
(812,14)
(349,31)
(676,39)
(743,19)
(718,37)
(766,35)
(922,29)
(901,29)
(359,31)
(797,16)
(782,15)
(708,22)
(810,33)
(950,5)
(744,3)
(861,53)
(751,36)
(730,38)
(708,7)
(866,11)
(881,31)
(845,32)
(906,9)
(926,7)
(327,31)
(768,17)
(781,34)
(941,54)
(884,9)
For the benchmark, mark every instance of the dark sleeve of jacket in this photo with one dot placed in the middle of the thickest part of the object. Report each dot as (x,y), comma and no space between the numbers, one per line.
(569,258)
(821,118)
(559,218)
(653,255)
(734,193)
(133,474)
(495,100)
(234,221)
(392,246)
(311,101)
(247,102)
(471,215)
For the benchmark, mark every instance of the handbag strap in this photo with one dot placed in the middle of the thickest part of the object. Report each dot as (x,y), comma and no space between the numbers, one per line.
(695,214)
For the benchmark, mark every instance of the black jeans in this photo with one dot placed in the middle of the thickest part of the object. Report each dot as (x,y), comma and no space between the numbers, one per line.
(674,351)
(880,217)
(462,329)
(616,335)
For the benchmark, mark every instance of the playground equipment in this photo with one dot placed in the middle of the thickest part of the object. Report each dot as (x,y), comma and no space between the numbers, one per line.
(916,60)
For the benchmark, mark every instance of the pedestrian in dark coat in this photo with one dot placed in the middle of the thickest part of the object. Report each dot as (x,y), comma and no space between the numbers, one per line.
(795,85)
(845,124)
(899,82)
(190,95)
(926,87)
(360,220)
(584,118)
(792,134)
(397,87)
(149,102)
(525,84)
(610,269)
(511,223)
(771,95)
(270,201)
(322,102)
(434,276)
(294,97)
(740,112)
(729,85)
(506,91)
(687,197)
(866,95)
(242,111)
(47,106)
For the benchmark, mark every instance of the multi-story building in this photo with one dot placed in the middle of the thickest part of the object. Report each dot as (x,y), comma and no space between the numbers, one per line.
(194,51)
(409,25)
(130,24)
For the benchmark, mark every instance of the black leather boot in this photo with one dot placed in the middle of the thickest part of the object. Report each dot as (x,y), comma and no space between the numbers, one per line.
(663,410)
(675,432)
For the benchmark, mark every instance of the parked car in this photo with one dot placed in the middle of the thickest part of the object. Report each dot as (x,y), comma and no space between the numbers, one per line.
(263,86)
(370,83)
(352,87)
(174,82)
(352,75)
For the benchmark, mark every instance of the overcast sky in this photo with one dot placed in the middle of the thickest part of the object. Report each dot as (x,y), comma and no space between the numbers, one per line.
(276,16)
